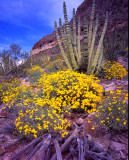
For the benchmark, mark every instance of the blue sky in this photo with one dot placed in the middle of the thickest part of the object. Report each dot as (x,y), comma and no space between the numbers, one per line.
(24,22)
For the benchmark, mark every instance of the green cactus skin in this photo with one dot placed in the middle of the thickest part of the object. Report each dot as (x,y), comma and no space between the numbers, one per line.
(78,40)
(64,40)
(65,36)
(100,61)
(92,59)
(99,46)
(92,47)
(85,44)
(74,36)
(61,48)
(71,51)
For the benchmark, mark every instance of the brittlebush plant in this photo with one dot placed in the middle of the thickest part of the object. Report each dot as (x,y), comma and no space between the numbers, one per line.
(35,73)
(57,93)
(7,85)
(71,90)
(113,113)
(34,113)
(115,70)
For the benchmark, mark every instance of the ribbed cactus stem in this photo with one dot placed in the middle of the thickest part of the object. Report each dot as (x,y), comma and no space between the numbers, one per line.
(64,39)
(74,36)
(99,46)
(74,63)
(85,44)
(61,48)
(99,65)
(91,24)
(78,40)
(91,54)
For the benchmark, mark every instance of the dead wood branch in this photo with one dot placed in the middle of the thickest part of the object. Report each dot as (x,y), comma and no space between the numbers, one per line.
(97,156)
(44,147)
(58,150)
(34,150)
(67,142)
(35,141)
(13,143)
(48,154)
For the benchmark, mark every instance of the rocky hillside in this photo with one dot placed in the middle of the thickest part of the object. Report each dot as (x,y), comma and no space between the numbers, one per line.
(118,20)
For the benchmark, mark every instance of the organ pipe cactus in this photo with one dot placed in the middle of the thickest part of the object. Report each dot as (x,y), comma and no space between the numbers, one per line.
(70,47)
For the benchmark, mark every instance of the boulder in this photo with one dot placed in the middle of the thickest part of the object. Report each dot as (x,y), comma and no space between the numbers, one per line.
(79,121)
(3,113)
(118,146)
(111,86)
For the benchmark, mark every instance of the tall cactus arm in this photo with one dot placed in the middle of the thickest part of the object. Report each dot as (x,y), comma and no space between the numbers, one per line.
(92,47)
(63,35)
(85,44)
(61,48)
(78,40)
(73,60)
(91,24)
(100,44)
(99,61)
(74,36)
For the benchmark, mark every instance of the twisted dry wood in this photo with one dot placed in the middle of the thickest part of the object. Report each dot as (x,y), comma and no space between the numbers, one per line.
(13,143)
(35,141)
(45,145)
(58,150)
(67,142)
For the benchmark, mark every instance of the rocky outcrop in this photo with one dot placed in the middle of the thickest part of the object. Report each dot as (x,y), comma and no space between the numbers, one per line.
(117,8)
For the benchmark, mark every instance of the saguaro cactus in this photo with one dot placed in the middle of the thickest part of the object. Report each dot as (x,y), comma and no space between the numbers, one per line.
(70,44)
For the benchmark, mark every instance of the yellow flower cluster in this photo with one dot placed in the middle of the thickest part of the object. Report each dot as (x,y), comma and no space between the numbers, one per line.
(35,69)
(6,86)
(70,90)
(42,109)
(114,69)
(35,113)
(35,120)
(113,113)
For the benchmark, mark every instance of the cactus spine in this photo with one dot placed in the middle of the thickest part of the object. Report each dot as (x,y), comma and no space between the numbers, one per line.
(91,60)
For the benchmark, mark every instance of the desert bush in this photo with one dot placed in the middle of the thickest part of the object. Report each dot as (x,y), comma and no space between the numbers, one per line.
(6,86)
(35,114)
(35,73)
(41,109)
(33,121)
(56,65)
(114,69)
(113,113)
(71,90)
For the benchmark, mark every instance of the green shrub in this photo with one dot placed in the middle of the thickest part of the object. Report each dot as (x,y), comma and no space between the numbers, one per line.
(35,73)
(71,90)
(114,69)
(113,113)
(7,85)
(56,65)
